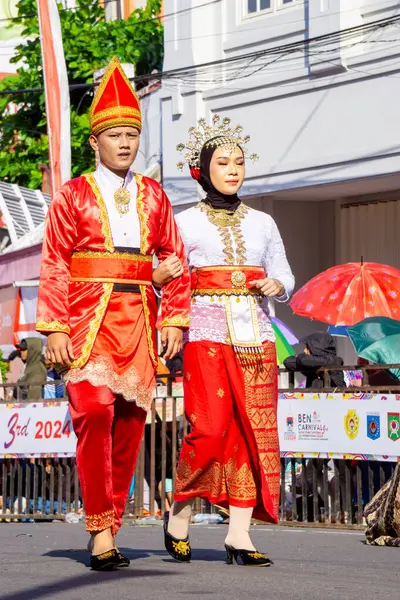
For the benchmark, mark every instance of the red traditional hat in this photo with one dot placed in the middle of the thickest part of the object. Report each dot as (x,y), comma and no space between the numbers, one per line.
(115,103)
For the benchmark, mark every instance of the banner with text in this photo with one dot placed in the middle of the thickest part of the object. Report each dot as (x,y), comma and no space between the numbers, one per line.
(364,426)
(36,430)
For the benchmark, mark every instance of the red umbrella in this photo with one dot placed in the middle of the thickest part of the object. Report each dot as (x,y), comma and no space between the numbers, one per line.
(347,294)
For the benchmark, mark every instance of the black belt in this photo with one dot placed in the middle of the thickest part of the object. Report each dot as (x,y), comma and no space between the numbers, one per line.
(131,288)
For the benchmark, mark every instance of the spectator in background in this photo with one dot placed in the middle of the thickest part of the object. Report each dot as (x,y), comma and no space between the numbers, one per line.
(53,390)
(377,377)
(320,351)
(35,371)
(16,367)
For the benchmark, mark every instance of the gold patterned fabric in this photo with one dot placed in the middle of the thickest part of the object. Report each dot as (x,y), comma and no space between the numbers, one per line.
(100,522)
(119,358)
(383,514)
(231,457)
(52,326)
(102,372)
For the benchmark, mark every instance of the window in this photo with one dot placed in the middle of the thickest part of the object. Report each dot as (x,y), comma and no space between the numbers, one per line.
(256,6)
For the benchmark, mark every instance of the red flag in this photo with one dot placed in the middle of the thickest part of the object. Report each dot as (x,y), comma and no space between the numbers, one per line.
(56,92)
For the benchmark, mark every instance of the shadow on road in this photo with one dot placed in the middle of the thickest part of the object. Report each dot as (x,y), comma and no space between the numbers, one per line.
(90,578)
(200,554)
(82,556)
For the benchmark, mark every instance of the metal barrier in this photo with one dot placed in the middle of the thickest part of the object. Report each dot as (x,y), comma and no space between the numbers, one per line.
(312,490)
(47,390)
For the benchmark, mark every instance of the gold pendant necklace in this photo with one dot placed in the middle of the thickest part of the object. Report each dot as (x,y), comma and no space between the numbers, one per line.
(222,217)
(122,198)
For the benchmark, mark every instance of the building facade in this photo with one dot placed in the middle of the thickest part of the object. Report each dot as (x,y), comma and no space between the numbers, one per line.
(10,37)
(122,9)
(316,85)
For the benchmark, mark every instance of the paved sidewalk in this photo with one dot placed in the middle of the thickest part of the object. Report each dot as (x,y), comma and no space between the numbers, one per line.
(47,561)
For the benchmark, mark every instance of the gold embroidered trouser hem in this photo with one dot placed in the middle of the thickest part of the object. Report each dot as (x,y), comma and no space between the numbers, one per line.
(100,522)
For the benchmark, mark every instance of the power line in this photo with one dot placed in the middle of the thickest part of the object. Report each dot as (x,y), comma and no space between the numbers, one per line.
(196,70)
(124,24)
(32,15)
(270,25)
(138,22)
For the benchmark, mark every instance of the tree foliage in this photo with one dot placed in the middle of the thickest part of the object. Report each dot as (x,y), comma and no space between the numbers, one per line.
(4,368)
(89,43)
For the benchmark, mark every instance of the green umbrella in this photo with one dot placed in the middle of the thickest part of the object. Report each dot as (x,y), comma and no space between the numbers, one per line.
(283,348)
(377,339)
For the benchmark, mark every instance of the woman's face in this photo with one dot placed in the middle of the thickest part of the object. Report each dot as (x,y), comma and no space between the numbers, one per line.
(227,170)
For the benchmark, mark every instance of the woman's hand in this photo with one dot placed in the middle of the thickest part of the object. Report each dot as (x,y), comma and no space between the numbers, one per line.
(167,270)
(269,287)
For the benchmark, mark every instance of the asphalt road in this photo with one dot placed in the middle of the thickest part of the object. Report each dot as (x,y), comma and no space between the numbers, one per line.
(48,561)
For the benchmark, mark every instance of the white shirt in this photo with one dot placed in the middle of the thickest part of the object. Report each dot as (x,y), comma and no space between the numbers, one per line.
(263,247)
(125,228)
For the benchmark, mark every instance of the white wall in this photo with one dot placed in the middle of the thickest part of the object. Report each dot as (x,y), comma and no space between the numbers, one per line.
(371,231)
(150,139)
(324,121)
(308,232)
(314,119)
(9,37)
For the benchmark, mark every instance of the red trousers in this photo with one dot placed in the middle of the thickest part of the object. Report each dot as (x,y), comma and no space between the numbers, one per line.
(231,456)
(109,431)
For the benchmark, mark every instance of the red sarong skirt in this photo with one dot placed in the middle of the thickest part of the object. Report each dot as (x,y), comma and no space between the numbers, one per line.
(231,455)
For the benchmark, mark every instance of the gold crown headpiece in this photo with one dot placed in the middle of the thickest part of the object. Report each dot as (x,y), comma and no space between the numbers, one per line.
(220,133)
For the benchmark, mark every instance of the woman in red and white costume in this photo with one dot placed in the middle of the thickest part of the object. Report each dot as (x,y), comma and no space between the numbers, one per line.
(237,262)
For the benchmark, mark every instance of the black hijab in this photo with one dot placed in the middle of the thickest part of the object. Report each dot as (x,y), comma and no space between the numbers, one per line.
(214,198)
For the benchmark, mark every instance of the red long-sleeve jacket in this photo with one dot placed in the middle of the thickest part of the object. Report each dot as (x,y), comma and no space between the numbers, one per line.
(77,221)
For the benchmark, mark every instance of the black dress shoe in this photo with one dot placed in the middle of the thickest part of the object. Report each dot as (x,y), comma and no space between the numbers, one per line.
(179,549)
(125,562)
(248,557)
(106,561)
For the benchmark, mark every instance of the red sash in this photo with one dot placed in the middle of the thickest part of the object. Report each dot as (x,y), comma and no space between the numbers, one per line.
(218,280)
(112,267)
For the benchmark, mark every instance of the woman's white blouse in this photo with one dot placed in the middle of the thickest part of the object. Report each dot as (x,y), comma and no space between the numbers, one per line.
(205,246)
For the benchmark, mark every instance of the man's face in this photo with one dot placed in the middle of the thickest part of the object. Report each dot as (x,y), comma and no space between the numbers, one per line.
(117,147)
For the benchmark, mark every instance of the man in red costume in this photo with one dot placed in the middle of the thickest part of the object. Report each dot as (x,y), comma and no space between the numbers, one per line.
(98,308)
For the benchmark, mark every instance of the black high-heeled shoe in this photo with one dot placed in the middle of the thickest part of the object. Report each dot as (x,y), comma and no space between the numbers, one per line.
(248,557)
(106,561)
(179,549)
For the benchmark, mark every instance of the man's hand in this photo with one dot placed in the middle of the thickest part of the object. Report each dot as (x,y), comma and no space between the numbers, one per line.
(269,287)
(172,337)
(167,270)
(59,349)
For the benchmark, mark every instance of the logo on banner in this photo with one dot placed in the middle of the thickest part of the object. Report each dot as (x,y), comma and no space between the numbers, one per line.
(351,424)
(373,426)
(394,426)
(290,433)
(311,426)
